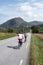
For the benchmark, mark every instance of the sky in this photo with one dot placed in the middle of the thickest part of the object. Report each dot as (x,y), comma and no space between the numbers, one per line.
(29,10)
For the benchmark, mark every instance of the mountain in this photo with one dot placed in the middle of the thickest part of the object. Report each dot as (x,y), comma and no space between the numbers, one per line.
(34,23)
(15,22)
(19,23)
(41,25)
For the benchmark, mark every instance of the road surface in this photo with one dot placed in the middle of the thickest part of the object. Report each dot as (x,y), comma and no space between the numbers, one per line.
(11,55)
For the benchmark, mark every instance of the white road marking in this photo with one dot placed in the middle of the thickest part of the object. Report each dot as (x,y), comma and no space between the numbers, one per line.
(21,62)
(26,45)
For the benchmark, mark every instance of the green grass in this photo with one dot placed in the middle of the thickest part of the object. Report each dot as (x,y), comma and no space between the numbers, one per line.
(36,51)
(7,35)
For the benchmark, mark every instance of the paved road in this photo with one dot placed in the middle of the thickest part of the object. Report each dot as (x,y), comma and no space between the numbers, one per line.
(10,55)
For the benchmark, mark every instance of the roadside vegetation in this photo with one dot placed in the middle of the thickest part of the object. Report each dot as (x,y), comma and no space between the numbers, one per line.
(36,50)
(6,35)
(10,32)
(37,29)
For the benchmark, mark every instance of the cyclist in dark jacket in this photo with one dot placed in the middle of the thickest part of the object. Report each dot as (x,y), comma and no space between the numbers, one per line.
(25,37)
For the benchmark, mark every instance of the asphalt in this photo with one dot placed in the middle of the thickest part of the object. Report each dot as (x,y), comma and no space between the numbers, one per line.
(10,54)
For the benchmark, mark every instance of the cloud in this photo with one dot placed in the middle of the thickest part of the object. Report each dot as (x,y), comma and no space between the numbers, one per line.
(39,5)
(25,10)
(33,12)
(33,0)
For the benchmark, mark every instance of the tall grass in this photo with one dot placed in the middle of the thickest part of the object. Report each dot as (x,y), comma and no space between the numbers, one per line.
(6,35)
(36,51)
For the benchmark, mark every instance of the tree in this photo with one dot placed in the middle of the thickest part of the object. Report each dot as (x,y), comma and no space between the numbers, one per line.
(10,30)
(35,29)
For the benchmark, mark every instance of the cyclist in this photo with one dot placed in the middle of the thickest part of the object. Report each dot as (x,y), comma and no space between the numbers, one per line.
(20,39)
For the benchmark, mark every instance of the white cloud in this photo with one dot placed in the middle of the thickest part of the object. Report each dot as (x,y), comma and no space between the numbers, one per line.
(33,0)
(39,5)
(10,5)
(32,12)
(24,10)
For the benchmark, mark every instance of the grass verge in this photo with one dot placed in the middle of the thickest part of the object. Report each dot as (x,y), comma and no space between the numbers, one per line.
(6,35)
(36,50)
